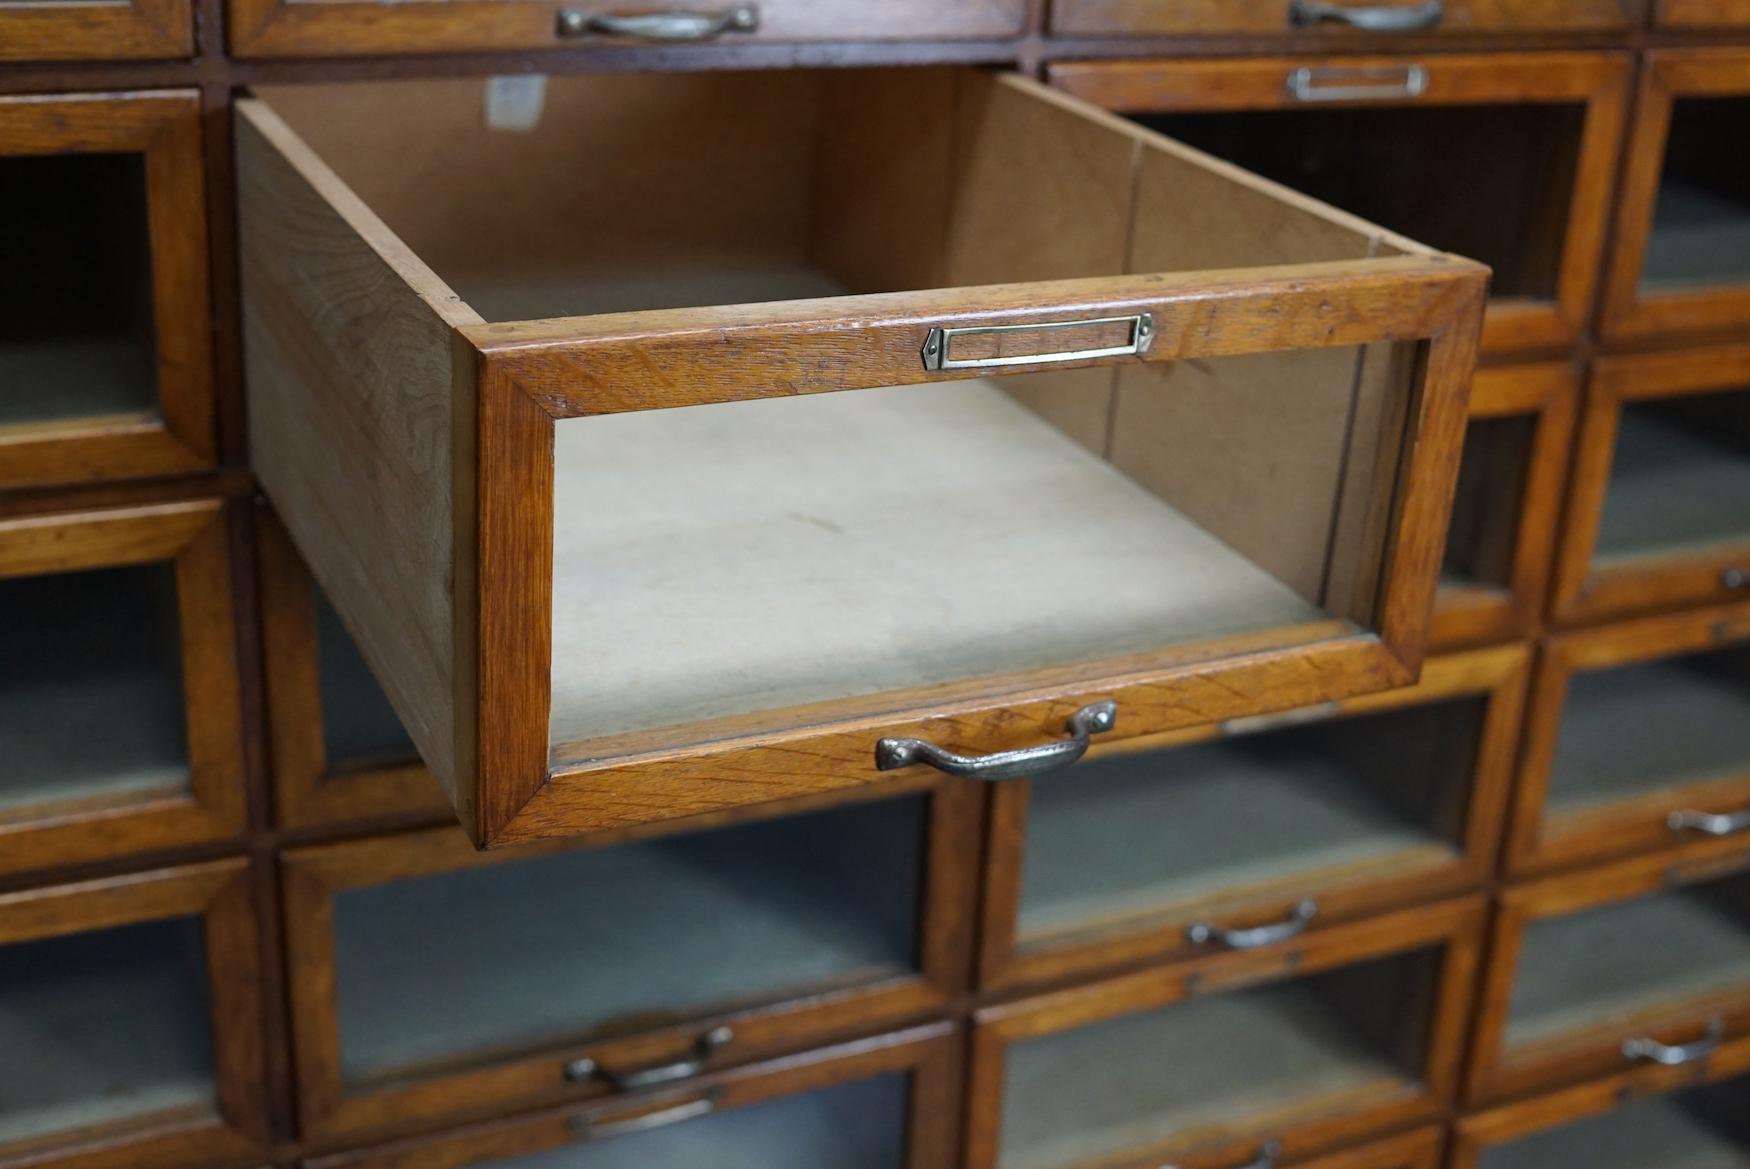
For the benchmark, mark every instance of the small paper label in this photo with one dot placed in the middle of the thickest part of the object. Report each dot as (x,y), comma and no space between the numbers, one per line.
(515,102)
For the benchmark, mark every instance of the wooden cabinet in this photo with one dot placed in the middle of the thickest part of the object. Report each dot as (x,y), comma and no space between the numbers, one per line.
(1701,14)
(84,30)
(105,346)
(1501,542)
(432,982)
(339,751)
(297,28)
(1353,22)
(119,719)
(1637,737)
(130,1022)
(883,1103)
(1242,836)
(1682,260)
(587,609)
(1532,137)
(1591,973)
(1659,509)
(1293,1049)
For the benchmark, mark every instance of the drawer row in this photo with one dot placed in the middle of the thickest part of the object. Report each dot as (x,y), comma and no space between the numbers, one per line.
(430,991)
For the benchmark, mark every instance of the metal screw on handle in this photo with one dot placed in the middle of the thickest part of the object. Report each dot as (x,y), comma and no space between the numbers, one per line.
(1709,823)
(661,26)
(1268,1155)
(1027,761)
(668,1073)
(1676,1055)
(1381,18)
(592,1129)
(1202,933)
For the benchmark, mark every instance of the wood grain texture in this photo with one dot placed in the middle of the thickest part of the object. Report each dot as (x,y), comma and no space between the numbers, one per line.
(69,30)
(1700,14)
(1271,17)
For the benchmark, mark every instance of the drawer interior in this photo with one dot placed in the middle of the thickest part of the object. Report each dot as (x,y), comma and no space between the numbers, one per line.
(1392,164)
(103,1028)
(77,338)
(1621,962)
(1638,729)
(1489,500)
(1137,835)
(1251,1061)
(359,728)
(697,924)
(1679,479)
(1701,219)
(1701,1128)
(91,696)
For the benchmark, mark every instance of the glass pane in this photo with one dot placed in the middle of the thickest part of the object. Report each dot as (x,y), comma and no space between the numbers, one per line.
(467,963)
(91,702)
(358,724)
(1138,834)
(1703,1128)
(1680,478)
(1486,508)
(1701,221)
(103,1027)
(76,324)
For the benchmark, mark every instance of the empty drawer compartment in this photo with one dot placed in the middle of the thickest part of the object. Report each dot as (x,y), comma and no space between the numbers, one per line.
(601,562)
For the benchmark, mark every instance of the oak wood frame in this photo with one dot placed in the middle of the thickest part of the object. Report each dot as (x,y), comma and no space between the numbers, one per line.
(930,1053)
(164,127)
(114,30)
(1495,1074)
(1418,1149)
(1635,825)
(1198,18)
(308,787)
(1700,14)
(1498,675)
(1549,394)
(1584,593)
(1666,76)
(192,536)
(220,893)
(1456,926)
(310,878)
(1600,81)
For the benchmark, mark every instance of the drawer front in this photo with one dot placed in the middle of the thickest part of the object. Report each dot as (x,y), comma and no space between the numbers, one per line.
(1235,841)
(1595,973)
(121,727)
(1362,21)
(731,945)
(1291,1050)
(1533,136)
(277,28)
(1701,13)
(133,1023)
(69,30)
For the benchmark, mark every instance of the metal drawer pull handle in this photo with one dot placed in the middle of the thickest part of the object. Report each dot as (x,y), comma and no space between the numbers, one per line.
(589,1129)
(938,346)
(1267,1157)
(1673,1056)
(661,26)
(1386,18)
(1710,823)
(1735,578)
(668,1073)
(1310,84)
(1202,933)
(1089,720)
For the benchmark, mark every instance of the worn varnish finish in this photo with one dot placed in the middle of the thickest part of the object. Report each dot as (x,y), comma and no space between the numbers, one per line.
(78,30)
(1191,18)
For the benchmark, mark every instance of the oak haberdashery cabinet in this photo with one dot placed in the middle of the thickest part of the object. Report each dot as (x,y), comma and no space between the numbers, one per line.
(988,584)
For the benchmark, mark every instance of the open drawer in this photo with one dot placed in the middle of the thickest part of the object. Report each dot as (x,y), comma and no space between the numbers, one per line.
(1122,425)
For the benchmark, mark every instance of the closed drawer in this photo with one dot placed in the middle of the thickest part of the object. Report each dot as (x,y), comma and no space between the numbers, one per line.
(281,28)
(428,970)
(1531,136)
(1701,13)
(1292,1050)
(1242,836)
(882,1103)
(1659,512)
(119,719)
(1647,961)
(131,1022)
(76,30)
(1342,20)
(105,351)
(638,564)
(1637,738)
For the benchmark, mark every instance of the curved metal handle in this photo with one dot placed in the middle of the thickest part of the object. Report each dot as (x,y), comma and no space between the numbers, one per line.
(1384,18)
(1341,83)
(1676,1055)
(1709,823)
(1202,933)
(661,26)
(1267,1157)
(668,1073)
(1089,720)
(589,1129)
(1735,578)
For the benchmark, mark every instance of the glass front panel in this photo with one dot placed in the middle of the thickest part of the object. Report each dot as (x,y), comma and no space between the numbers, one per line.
(359,726)
(1702,1128)
(1701,220)
(1488,503)
(1679,480)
